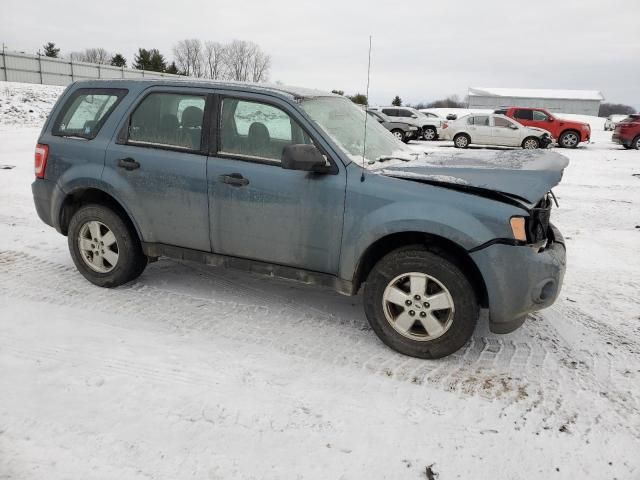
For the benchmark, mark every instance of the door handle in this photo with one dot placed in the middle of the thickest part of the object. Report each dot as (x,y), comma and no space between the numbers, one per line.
(235,179)
(128,163)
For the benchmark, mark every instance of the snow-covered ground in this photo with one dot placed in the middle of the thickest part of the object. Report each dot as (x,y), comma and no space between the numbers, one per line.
(197,372)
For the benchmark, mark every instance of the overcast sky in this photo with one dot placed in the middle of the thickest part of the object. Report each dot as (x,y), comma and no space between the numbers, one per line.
(422,50)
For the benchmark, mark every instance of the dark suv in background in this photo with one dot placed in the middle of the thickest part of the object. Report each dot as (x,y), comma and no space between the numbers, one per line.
(277,180)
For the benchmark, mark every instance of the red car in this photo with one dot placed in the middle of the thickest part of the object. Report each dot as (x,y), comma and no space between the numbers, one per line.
(569,133)
(627,132)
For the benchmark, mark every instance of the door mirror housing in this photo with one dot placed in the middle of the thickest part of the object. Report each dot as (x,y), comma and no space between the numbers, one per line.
(549,119)
(306,158)
(413,115)
(513,126)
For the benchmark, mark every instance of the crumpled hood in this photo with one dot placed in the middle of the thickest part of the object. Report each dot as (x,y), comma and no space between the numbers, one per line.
(525,174)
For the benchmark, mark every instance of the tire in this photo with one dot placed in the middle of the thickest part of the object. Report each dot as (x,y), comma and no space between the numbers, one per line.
(445,281)
(531,143)
(429,133)
(627,147)
(569,139)
(636,143)
(461,140)
(118,256)
(399,134)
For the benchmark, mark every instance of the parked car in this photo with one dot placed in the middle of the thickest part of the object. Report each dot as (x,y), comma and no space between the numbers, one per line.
(492,129)
(401,130)
(270,179)
(429,126)
(627,132)
(612,120)
(568,132)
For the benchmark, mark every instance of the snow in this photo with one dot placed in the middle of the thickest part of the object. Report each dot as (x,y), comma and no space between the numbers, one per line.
(197,372)
(536,93)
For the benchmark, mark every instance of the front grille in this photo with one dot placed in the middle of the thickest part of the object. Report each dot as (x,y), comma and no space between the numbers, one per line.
(538,224)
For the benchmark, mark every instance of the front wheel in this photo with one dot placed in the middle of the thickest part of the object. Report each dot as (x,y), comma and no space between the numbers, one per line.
(103,247)
(420,304)
(569,139)
(636,143)
(429,133)
(399,134)
(531,143)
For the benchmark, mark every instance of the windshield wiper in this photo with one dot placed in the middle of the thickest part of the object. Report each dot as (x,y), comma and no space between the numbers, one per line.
(384,158)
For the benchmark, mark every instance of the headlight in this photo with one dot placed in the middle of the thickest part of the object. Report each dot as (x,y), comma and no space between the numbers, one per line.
(518,228)
(413,128)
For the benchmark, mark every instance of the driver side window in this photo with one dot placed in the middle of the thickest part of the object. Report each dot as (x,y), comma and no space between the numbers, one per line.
(539,116)
(257,130)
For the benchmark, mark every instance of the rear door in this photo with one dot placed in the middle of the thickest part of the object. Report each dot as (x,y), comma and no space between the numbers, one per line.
(480,129)
(157,167)
(258,209)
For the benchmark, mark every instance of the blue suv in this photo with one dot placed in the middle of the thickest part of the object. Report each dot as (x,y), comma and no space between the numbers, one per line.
(296,183)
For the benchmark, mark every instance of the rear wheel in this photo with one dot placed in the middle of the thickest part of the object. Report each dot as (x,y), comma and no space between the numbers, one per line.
(103,247)
(420,304)
(461,140)
(569,139)
(429,133)
(531,143)
(399,134)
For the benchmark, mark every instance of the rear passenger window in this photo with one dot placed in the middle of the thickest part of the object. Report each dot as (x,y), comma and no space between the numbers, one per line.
(86,111)
(168,120)
(523,114)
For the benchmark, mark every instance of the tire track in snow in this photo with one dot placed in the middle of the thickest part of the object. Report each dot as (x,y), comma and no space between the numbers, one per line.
(523,370)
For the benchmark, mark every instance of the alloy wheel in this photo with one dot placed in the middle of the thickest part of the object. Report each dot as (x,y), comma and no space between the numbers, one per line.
(418,306)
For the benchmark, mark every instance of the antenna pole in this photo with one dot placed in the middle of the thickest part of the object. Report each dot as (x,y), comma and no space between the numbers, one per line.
(366,114)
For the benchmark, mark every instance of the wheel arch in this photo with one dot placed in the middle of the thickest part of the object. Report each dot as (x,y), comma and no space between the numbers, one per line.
(82,196)
(434,243)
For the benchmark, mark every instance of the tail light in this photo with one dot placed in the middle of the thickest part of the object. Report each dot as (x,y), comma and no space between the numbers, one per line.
(42,152)
(445,125)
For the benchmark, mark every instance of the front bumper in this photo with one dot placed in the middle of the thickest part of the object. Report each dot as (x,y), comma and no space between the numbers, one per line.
(520,280)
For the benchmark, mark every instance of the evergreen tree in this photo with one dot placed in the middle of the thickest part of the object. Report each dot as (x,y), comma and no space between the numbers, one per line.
(157,63)
(142,59)
(338,92)
(50,50)
(118,60)
(397,102)
(359,98)
(173,69)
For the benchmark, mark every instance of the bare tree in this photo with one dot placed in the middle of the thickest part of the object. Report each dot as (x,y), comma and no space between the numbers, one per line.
(92,55)
(239,60)
(247,62)
(260,66)
(189,57)
(214,60)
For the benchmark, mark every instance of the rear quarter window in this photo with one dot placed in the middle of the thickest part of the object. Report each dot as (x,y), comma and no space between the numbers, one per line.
(85,111)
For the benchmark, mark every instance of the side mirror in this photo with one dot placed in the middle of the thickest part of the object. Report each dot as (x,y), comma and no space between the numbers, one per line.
(549,119)
(306,158)
(513,127)
(413,115)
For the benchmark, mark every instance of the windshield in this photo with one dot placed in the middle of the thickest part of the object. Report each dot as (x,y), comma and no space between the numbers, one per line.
(344,121)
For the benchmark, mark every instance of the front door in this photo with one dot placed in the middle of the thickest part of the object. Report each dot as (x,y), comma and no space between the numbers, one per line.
(158,169)
(261,211)
(506,132)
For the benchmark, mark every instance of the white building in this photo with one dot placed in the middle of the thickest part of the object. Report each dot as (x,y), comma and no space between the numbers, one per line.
(582,102)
